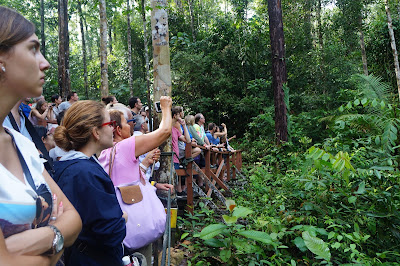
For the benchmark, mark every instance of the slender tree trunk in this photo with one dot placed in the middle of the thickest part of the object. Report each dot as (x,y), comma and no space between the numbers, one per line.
(103,48)
(146,57)
(320,40)
(85,75)
(191,12)
(393,44)
(130,68)
(162,72)
(64,82)
(42,35)
(89,43)
(110,38)
(363,52)
(279,74)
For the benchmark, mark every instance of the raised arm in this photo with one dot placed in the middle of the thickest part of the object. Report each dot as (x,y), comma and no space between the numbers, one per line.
(36,113)
(186,136)
(152,140)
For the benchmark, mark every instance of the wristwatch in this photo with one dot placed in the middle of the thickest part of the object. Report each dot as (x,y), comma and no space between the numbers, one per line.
(58,241)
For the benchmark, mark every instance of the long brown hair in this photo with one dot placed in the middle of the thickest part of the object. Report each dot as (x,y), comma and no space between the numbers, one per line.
(14,28)
(75,130)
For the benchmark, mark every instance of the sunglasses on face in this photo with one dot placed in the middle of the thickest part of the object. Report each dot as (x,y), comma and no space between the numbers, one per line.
(131,120)
(112,124)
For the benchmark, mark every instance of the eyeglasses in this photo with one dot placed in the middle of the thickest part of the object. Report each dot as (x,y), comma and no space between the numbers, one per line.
(112,123)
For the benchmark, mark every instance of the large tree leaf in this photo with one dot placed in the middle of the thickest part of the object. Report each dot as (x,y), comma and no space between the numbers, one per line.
(258,236)
(241,212)
(212,230)
(317,246)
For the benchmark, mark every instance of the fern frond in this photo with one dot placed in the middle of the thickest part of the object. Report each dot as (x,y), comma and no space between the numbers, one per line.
(372,87)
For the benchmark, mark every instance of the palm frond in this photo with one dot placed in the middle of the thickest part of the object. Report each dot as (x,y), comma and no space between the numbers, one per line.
(372,87)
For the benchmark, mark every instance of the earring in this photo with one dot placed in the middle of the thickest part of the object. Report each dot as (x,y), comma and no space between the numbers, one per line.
(3,69)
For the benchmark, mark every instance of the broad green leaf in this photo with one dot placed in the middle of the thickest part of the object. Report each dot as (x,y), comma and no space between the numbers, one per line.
(229,219)
(339,237)
(317,246)
(258,236)
(361,188)
(374,103)
(356,102)
(184,235)
(336,245)
(299,242)
(225,254)
(349,105)
(341,109)
(241,212)
(308,186)
(377,140)
(212,230)
(331,235)
(325,157)
(364,101)
(352,199)
(213,242)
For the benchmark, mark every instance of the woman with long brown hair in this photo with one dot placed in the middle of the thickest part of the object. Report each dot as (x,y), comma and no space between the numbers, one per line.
(85,131)
(34,225)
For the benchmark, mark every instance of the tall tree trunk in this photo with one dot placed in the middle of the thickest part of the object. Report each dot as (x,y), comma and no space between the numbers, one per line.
(64,82)
(103,49)
(393,44)
(146,57)
(42,35)
(89,43)
(362,45)
(162,72)
(279,74)
(130,68)
(110,38)
(191,12)
(320,40)
(85,75)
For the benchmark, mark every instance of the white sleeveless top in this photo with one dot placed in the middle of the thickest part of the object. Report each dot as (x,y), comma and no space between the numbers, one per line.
(18,200)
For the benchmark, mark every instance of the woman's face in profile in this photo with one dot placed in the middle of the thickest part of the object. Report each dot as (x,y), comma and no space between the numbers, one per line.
(25,67)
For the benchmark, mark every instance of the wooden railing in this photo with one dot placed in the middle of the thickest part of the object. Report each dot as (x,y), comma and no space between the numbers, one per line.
(220,167)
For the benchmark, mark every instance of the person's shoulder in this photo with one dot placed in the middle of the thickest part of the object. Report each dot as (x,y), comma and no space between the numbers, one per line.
(20,139)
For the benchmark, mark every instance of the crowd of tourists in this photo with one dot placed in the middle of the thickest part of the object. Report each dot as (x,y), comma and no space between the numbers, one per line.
(76,175)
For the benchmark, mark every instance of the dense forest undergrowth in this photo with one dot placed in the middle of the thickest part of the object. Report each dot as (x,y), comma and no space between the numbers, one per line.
(334,201)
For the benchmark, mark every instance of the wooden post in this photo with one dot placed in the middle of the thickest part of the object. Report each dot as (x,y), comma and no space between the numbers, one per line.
(162,72)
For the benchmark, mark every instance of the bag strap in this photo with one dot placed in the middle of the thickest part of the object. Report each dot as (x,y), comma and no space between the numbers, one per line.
(24,166)
(13,123)
(112,157)
(111,164)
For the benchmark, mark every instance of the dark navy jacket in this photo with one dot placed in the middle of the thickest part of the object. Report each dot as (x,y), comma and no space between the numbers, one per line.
(91,191)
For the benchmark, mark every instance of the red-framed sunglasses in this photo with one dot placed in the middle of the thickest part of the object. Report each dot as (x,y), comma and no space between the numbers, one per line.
(112,123)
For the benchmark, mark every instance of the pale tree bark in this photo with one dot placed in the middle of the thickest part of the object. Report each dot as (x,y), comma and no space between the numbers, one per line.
(130,68)
(85,75)
(146,58)
(89,43)
(279,74)
(162,72)
(319,29)
(191,12)
(393,44)
(64,82)
(42,35)
(362,45)
(103,49)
